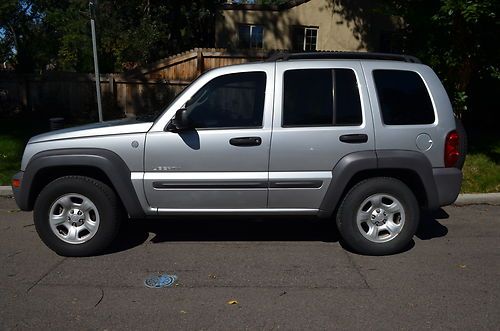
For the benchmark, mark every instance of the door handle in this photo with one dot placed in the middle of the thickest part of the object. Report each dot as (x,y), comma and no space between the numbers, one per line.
(246,141)
(353,138)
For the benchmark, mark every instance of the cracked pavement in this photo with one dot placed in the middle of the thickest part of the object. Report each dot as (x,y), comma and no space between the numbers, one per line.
(288,273)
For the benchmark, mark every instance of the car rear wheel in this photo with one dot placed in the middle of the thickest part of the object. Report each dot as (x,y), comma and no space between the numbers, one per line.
(77,216)
(378,216)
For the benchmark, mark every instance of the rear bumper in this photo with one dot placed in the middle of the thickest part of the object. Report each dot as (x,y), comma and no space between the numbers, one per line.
(448,182)
(17,190)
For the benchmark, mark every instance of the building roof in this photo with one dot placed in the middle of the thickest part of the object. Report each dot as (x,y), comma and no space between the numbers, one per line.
(246,6)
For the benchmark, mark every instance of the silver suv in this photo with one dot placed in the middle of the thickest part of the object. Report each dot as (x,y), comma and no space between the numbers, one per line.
(366,139)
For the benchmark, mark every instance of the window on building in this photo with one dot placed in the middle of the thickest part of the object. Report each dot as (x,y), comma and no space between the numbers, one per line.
(403,98)
(321,97)
(251,36)
(233,100)
(304,38)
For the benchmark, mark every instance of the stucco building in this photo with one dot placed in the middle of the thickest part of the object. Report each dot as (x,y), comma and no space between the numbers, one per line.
(305,25)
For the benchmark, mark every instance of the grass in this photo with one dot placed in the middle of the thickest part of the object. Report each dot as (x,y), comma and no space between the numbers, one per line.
(14,134)
(481,170)
(11,150)
(482,165)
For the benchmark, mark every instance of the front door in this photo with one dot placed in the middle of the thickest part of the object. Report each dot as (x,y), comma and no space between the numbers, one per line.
(221,164)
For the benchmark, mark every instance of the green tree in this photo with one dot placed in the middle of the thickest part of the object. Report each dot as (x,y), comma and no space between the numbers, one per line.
(22,36)
(458,38)
(36,35)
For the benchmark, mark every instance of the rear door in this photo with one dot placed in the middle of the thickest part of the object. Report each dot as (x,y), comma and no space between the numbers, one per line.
(321,114)
(405,98)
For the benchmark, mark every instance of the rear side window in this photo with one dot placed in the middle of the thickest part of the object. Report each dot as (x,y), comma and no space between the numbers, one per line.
(321,97)
(403,98)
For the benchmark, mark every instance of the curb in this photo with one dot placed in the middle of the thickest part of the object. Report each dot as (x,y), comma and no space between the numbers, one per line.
(477,198)
(5,191)
(462,200)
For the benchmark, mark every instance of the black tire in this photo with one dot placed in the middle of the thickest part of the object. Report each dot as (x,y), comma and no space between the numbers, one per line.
(105,202)
(352,234)
(462,143)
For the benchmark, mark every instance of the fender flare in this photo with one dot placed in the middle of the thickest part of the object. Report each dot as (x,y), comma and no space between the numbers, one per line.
(105,160)
(356,162)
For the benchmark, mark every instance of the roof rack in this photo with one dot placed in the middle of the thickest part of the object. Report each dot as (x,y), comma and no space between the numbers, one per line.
(285,56)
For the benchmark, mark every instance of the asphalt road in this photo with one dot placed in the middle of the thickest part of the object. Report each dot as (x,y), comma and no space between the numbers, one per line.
(284,274)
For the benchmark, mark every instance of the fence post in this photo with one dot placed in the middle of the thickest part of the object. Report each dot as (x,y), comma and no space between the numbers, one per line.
(112,86)
(199,62)
(24,92)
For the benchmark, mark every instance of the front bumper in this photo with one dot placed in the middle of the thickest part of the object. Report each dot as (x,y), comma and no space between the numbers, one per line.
(448,182)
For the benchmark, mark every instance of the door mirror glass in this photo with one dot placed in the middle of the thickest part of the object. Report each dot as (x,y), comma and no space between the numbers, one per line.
(180,122)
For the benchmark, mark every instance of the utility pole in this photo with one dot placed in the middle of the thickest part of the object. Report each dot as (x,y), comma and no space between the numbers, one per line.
(92,9)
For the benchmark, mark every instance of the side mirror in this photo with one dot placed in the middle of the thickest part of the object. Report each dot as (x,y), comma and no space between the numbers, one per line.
(180,122)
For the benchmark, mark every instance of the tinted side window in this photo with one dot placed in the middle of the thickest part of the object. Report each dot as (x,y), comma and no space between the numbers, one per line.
(403,98)
(234,100)
(321,97)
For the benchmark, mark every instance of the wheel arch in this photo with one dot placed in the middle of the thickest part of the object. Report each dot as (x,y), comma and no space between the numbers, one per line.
(100,164)
(410,167)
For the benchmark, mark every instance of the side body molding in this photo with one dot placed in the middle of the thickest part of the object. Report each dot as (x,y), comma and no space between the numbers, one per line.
(107,161)
(342,173)
(386,160)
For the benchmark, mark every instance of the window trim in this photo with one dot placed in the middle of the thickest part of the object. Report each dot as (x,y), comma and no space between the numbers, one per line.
(362,108)
(429,93)
(230,128)
(261,126)
(305,28)
(251,26)
(305,38)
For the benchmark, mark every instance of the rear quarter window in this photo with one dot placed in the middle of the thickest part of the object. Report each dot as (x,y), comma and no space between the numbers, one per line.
(403,98)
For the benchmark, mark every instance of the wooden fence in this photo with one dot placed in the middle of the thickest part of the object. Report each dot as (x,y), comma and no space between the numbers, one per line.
(136,92)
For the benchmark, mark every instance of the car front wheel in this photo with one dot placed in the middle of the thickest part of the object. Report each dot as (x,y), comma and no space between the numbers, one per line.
(77,216)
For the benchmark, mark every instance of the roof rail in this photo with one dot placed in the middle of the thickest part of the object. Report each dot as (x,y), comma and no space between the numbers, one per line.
(285,56)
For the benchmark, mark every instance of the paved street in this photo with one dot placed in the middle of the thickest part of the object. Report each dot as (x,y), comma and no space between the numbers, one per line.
(285,273)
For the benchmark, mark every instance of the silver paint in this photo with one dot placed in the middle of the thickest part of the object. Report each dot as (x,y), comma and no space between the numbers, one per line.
(286,154)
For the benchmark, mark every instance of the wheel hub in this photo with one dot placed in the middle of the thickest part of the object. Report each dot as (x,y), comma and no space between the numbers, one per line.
(379,216)
(76,217)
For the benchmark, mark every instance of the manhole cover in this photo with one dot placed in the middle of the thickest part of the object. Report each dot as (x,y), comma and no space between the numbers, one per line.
(159,281)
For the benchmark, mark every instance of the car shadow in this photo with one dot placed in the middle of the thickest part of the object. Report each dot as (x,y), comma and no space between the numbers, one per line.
(223,228)
(134,233)
(429,227)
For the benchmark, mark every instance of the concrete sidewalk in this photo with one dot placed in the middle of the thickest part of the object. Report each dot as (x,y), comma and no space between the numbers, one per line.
(462,200)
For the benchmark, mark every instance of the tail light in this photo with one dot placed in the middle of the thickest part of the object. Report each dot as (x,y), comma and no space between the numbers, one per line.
(16,183)
(451,149)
